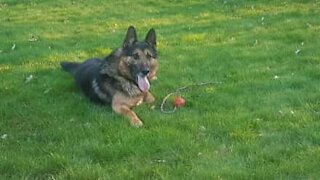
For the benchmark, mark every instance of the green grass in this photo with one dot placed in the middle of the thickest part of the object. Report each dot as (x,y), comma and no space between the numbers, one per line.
(262,122)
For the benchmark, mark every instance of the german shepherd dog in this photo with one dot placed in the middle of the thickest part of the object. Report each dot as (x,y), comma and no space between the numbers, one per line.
(122,78)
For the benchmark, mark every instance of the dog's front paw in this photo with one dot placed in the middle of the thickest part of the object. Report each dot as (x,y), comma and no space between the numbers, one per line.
(153,78)
(136,123)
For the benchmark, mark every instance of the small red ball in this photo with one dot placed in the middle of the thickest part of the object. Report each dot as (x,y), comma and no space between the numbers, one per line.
(179,101)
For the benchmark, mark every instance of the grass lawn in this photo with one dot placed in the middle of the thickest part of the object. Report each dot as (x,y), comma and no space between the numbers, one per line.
(262,122)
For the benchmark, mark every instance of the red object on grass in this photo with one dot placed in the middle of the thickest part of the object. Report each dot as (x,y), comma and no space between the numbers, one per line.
(179,101)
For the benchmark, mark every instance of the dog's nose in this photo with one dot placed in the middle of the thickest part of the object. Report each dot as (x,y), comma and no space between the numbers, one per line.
(145,71)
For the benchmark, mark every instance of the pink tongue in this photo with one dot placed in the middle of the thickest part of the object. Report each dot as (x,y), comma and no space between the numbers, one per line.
(143,83)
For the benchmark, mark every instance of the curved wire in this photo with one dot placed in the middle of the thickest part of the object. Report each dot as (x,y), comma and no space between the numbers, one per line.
(179,90)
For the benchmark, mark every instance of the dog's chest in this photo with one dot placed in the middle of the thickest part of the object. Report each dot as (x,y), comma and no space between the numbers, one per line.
(131,89)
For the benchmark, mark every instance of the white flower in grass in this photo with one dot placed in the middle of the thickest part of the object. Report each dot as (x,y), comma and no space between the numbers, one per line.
(13,47)
(292,112)
(4,136)
(33,39)
(280,112)
(29,78)
(262,20)
(47,91)
(160,161)
(202,128)
(276,77)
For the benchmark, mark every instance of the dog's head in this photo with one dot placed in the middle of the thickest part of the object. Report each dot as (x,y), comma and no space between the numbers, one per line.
(138,57)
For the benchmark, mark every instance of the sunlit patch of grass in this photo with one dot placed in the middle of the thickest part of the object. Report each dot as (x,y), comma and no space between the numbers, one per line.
(37,14)
(4,68)
(244,134)
(213,17)
(193,38)
(282,8)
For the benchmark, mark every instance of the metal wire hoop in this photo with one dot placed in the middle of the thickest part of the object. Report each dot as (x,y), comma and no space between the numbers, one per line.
(178,91)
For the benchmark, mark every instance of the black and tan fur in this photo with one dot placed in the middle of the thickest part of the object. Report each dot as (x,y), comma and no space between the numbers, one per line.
(122,78)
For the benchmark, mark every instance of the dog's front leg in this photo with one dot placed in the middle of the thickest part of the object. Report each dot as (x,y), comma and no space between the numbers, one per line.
(122,106)
(148,98)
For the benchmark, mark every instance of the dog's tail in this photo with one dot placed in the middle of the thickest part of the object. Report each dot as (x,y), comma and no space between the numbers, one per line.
(70,67)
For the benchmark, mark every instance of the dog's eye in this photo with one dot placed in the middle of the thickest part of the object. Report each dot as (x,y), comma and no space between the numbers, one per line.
(149,55)
(136,56)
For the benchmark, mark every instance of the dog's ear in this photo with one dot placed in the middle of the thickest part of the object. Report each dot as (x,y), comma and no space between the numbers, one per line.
(151,38)
(131,37)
